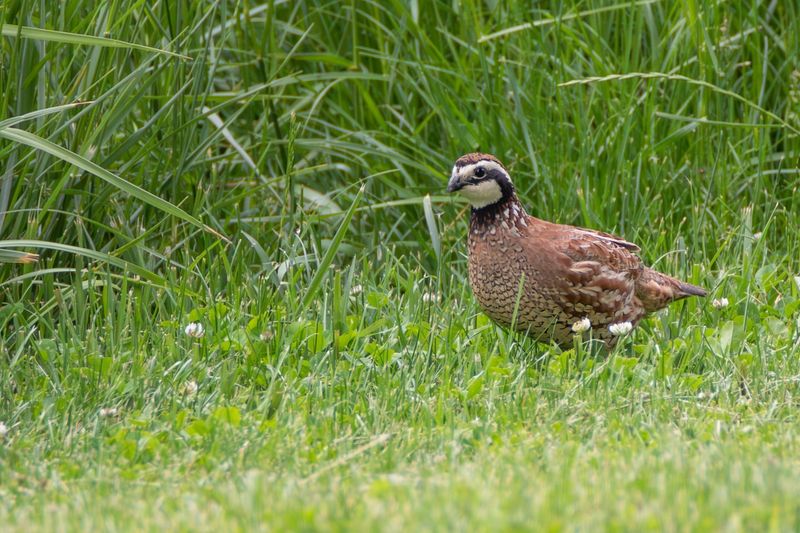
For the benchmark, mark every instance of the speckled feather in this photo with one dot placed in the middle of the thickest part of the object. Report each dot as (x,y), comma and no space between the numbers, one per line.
(559,274)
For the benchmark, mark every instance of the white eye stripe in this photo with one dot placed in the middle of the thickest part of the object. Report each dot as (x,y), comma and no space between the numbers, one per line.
(488,166)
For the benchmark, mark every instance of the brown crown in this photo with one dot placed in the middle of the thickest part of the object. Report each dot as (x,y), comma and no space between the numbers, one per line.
(470,159)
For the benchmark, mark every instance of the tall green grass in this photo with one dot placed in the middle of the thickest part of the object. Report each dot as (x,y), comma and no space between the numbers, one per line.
(275,172)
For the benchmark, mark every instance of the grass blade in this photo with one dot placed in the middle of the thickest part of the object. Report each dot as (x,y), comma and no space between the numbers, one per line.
(433,230)
(678,77)
(13,121)
(39,143)
(40,34)
(327,259)
(86,252)
(546,22)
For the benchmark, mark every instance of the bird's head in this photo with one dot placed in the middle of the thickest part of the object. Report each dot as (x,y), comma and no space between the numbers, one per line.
(481,179)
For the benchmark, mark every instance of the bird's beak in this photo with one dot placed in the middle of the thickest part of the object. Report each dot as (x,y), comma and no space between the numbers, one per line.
(454,184)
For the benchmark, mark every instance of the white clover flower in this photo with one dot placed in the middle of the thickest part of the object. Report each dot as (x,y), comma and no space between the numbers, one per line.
(757,235)
(581,325)
(356,290)
(3,430)
(195,330)
(431,297)
(620,328)
(108,411)
(190,388)
(719,303)
(266,336)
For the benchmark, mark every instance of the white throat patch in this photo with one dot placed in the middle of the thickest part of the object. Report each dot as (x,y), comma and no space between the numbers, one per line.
(482,194)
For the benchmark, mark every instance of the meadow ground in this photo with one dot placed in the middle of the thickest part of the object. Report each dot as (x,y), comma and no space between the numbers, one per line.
(274,172)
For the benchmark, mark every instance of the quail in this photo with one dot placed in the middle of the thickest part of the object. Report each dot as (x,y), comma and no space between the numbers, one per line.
(552,280)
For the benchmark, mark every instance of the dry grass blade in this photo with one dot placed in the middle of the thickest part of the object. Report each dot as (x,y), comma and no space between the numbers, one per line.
(677,77)
(14,256)
(557,20)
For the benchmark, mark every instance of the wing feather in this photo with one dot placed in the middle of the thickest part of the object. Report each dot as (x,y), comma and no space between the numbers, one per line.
(594,274)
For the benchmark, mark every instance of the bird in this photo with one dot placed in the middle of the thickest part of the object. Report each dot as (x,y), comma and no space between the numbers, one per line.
(552,281)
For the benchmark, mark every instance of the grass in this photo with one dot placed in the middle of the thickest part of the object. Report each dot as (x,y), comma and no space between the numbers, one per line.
(275,173)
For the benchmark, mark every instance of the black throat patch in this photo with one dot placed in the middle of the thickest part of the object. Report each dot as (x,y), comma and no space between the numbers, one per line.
(507,213)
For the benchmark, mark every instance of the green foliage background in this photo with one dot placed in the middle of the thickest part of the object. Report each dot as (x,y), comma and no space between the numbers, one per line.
(274,171)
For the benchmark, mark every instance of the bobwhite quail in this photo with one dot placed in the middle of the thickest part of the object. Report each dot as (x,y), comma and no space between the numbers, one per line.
(553,276)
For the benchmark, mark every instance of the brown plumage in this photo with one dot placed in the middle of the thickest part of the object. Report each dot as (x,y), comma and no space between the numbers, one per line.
(555,274)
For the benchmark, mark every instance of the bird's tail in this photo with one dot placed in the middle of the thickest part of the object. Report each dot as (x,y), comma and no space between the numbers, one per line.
(687,289)
(656,290)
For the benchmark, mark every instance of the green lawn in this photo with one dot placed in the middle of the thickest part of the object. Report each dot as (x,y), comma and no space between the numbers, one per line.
(274,173)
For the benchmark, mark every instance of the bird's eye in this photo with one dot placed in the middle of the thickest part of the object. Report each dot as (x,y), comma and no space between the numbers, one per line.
(479,172)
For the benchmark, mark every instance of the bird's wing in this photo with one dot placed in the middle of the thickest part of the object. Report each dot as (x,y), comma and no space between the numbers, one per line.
(594,274)
(607,237)
(612,252)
